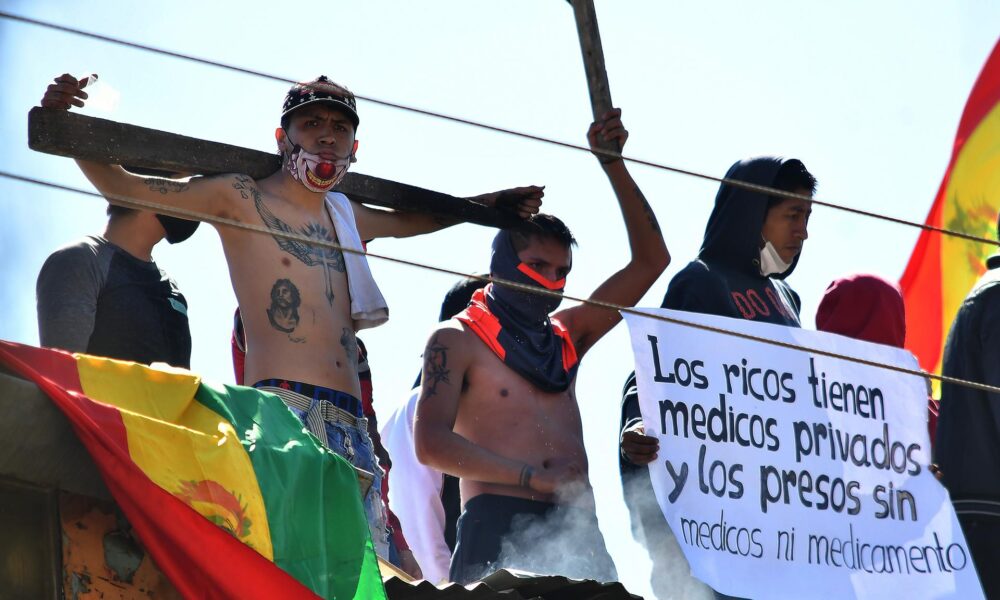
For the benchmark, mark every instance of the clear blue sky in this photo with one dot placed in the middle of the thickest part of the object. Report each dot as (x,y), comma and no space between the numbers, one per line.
(867,94)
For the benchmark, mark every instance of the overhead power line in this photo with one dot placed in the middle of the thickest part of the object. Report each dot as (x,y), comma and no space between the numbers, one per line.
(539,138)
(194,215)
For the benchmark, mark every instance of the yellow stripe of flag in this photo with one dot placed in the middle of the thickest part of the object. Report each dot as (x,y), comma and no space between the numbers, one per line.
(208,468)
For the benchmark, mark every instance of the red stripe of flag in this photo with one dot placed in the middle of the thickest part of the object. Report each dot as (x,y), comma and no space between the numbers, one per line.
(922,280)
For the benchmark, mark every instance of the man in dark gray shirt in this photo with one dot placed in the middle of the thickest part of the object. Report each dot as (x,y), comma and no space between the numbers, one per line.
(104,295)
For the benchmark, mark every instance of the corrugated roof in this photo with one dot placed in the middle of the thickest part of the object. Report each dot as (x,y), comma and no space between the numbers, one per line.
(510,585)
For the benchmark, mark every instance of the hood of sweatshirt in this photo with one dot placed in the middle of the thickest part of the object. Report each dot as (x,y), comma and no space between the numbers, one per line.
(864,307)
(732,236)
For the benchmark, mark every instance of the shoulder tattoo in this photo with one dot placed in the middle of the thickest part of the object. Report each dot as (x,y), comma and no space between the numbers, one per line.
(435,365)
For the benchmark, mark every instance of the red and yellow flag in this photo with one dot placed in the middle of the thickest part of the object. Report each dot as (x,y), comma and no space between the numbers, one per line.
(228,493)
(942,269)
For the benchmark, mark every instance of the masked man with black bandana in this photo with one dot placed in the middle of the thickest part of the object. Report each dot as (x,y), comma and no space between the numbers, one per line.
(752,243)
(104,295)
(301,303)
(498,405)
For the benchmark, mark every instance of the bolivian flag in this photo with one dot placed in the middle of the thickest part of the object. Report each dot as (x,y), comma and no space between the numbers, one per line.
(229,495)
(942,269)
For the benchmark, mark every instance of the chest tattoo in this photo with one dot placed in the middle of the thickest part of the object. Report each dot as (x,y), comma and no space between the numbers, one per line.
(283,313)
(329,259)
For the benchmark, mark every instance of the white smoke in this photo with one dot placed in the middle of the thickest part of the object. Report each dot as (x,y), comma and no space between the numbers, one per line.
(565,542)
(671,576)
(102,97)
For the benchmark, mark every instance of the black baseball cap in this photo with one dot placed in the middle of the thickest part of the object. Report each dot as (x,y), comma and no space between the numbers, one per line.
(321,89)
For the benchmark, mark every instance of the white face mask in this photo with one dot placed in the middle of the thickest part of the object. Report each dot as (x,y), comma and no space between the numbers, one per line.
(315,173)
(771,262)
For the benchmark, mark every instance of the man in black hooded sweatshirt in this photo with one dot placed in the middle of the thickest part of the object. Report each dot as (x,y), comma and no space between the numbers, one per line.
(752,243)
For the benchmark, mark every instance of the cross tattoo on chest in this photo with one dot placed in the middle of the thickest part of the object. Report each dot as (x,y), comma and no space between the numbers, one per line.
(330,259)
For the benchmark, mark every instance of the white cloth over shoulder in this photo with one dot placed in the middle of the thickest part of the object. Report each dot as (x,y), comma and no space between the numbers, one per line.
(415,494)
(368,307)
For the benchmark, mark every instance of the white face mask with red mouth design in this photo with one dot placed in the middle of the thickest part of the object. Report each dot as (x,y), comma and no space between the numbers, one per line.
(316,173)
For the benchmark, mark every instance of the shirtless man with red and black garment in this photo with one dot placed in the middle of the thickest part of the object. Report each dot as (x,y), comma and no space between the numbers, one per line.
(294,297)
(498,406)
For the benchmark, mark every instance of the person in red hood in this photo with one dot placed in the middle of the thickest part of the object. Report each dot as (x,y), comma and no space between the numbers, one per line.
(867,307)
(864,307)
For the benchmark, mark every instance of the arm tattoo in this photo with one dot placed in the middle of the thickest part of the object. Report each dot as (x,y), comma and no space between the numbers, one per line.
(648,210)
(284,311)
(350,344)
(435,365)
(329,259)
(165,186)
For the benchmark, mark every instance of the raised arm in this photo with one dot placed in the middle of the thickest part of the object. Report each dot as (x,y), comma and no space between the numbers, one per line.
(376,223)
(648,252)
(212,195)
(446,361)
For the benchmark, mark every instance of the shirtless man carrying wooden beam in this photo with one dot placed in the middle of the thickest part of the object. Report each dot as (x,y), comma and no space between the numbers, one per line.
(301,304)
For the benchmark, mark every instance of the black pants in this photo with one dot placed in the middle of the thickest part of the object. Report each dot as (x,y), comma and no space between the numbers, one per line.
(980,522)
(503,532)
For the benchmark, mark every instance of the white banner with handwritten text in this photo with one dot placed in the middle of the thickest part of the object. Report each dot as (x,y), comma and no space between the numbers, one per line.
(789,474)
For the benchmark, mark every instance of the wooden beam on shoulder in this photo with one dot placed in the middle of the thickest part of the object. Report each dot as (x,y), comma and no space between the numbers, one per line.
(73,135)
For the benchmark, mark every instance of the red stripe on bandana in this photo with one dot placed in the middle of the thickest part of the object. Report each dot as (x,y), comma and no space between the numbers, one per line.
(540,279)
(483,323)
(486,326)
(569,356)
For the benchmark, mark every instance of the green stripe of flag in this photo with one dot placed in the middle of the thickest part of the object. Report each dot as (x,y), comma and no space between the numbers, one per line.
(317,522)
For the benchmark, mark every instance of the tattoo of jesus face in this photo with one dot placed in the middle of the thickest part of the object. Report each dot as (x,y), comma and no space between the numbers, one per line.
(284,311)
(330,259)
(435,365)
